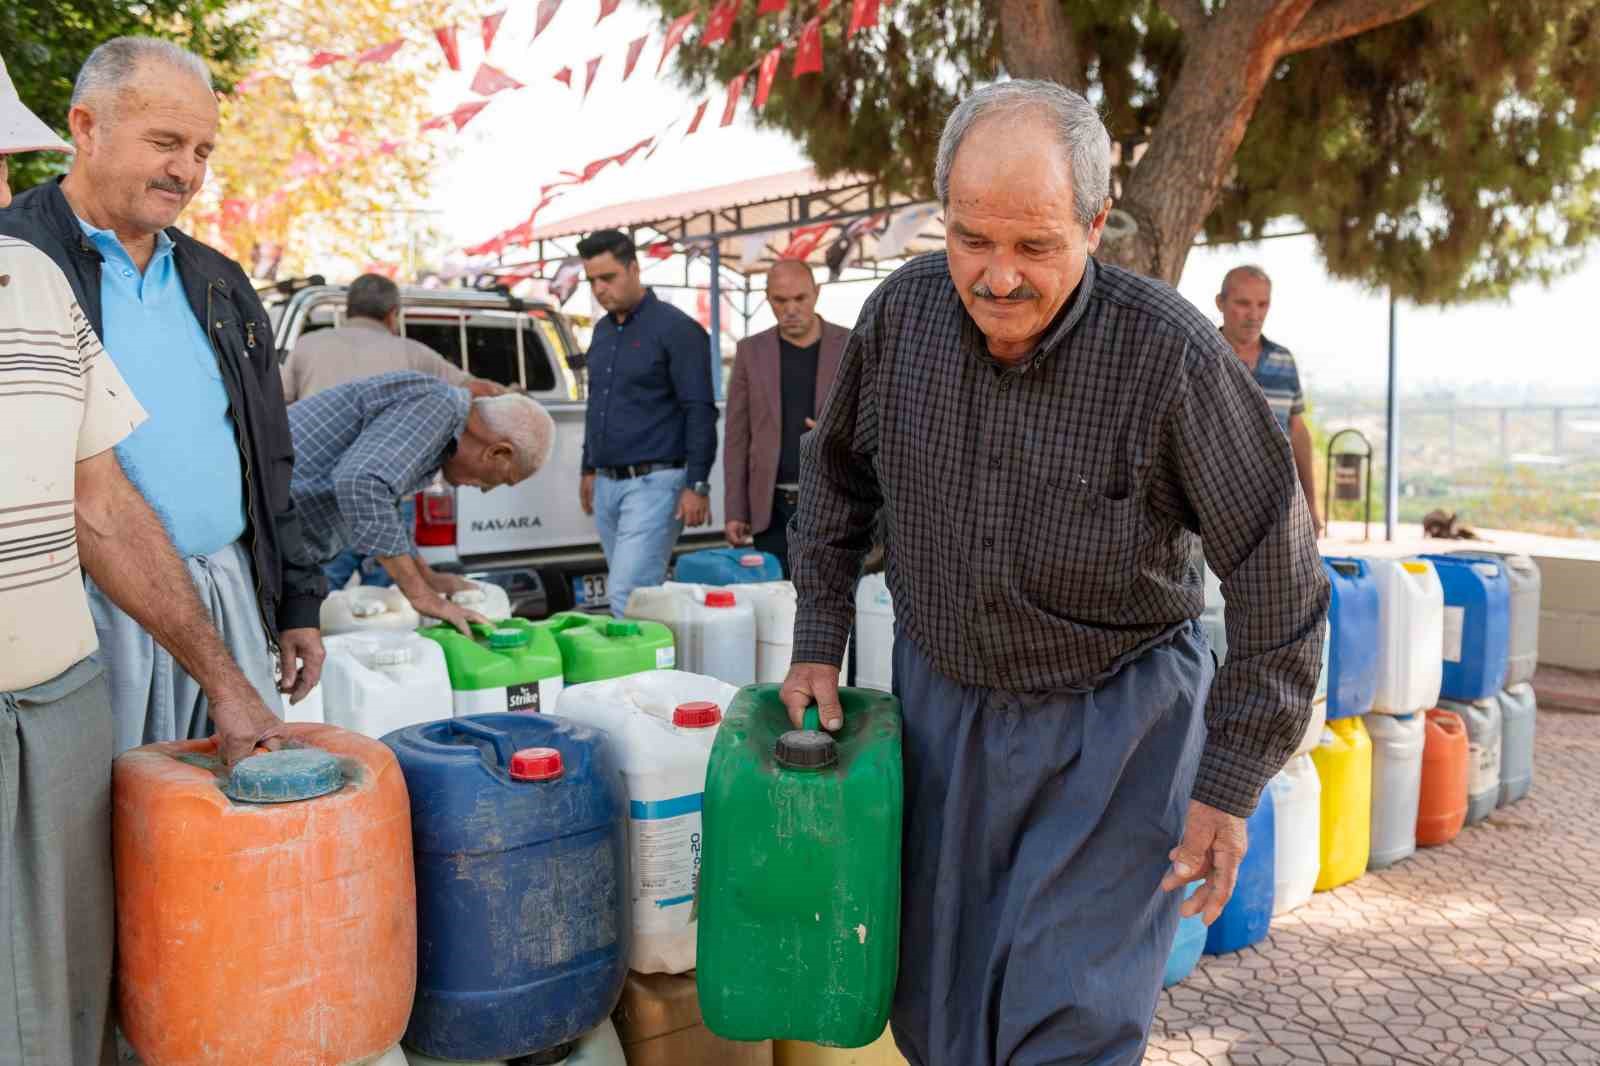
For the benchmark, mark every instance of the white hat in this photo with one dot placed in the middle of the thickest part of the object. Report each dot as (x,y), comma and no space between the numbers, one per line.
(20,130)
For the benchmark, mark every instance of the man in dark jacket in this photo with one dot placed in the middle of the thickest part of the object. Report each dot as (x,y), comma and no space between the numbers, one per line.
(185,329)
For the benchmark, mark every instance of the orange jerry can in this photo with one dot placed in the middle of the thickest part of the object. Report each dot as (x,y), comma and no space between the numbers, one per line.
(1442,809)
(267,916)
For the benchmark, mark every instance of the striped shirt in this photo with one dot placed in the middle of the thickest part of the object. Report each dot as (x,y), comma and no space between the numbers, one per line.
(61,401)
(1040,518)
(361,448)
(1279,379)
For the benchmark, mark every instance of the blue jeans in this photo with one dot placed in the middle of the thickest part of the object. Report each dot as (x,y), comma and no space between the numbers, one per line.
(637,530)
(341,566)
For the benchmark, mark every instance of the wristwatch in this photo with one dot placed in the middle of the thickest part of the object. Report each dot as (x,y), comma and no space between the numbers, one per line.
(701,488)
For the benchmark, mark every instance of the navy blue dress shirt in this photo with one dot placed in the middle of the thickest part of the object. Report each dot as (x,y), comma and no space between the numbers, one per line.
(650,398)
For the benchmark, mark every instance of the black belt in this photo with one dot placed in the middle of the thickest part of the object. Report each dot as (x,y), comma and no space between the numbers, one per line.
(623,473)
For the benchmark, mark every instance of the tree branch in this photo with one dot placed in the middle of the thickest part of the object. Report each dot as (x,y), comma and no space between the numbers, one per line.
(1190,15)
(1334,20)
(1036,42)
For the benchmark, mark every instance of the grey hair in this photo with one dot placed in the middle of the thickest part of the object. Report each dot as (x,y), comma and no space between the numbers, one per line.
(1249,270)
(110,67)
(1077,127)
(371,296)
(521,421)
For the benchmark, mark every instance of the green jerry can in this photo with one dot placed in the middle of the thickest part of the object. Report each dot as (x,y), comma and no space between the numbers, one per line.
(799,889)
(509,667)
(598,647)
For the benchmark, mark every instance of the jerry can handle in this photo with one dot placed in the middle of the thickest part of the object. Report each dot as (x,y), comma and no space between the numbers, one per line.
(504,746)
(812,719)
(1349,567)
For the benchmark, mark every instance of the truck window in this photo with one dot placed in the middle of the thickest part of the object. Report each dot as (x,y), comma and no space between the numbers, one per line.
(492,352)
(442,335)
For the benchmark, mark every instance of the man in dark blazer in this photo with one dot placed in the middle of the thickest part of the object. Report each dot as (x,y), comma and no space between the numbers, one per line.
(780,379)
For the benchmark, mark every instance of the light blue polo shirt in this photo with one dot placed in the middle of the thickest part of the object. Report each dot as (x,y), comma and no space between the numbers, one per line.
(185,459)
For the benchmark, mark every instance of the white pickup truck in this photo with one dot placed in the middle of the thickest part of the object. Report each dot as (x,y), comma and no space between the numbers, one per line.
(533,538)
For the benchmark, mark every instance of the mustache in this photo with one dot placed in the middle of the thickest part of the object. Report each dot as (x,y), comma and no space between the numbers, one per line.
(1021,292)
(178,188)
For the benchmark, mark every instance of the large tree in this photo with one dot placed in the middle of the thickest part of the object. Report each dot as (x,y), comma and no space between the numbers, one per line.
(1440,147)
(44,42)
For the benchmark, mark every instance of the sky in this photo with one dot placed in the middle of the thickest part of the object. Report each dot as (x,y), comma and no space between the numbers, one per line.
(1532,345)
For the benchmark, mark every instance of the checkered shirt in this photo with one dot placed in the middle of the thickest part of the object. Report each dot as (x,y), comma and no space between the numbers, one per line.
(362,448)
(1040,519)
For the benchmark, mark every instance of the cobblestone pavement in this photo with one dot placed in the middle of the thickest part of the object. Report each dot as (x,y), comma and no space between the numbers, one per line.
(1485,950)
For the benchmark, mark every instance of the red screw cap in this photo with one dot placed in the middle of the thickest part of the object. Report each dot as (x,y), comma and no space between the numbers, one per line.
(536,764)
(697,715)
(720,598)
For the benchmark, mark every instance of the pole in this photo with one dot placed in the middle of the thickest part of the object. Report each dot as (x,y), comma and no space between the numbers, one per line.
(716,320)
(1391,448)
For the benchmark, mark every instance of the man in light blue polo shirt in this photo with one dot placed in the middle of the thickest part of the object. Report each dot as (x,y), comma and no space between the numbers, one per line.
(1244,300)
(188,334)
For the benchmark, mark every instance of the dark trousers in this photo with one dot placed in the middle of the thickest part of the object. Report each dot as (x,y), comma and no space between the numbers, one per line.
(775,538)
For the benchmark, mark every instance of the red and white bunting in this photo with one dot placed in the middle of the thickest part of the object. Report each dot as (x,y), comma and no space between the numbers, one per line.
(804,241)
(607,9)
(382,53)
(808,53)
(694,123)
(720,23)
(863,13)
(564,76)
(450,43)
(489,81)
(467,112)
(588,77)
(634,48)
(659,250)
(323,59)
(491,26)
(622,158)
(435,123)
(735,90)
(547,11)
(767,75)
(675,31)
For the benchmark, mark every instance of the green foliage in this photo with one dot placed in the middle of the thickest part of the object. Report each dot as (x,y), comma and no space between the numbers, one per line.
(44,42)
(1443,154)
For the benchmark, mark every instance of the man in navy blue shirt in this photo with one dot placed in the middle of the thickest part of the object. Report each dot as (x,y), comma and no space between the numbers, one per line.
(651,431)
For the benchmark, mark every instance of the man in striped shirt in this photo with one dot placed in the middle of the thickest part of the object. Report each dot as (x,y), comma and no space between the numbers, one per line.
(1244,301)
(66,509)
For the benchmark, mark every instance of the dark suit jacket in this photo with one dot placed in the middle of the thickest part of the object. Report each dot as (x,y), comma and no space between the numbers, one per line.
(755,420)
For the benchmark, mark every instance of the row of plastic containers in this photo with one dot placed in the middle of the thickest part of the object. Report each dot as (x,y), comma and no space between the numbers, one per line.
(1397,766)
(481,886)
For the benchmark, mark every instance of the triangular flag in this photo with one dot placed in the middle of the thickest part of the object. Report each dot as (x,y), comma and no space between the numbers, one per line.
(694,123)
(804,241)
(863,13)
(564,76)
(675,31)
(607,8)
(771,7)
(547,11)
(434,123)
(633,56)
(491,26)
(467,112)
(489,81)
(588,78)
(808,53)
(322,59)
(622,158)
(720,23)
(735,89)
(769,72)
(903,229)
(446,36)
(381,54)
(659,250)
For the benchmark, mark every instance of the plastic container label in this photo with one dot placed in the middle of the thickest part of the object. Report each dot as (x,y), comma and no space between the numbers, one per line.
(1484,764)
(666,658)
(665,839)
(1454,623)
(523,699)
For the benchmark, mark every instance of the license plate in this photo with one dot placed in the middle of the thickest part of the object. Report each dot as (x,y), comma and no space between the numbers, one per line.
(589,591)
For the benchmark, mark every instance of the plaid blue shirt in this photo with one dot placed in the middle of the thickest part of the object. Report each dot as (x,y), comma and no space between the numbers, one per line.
(362,448)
